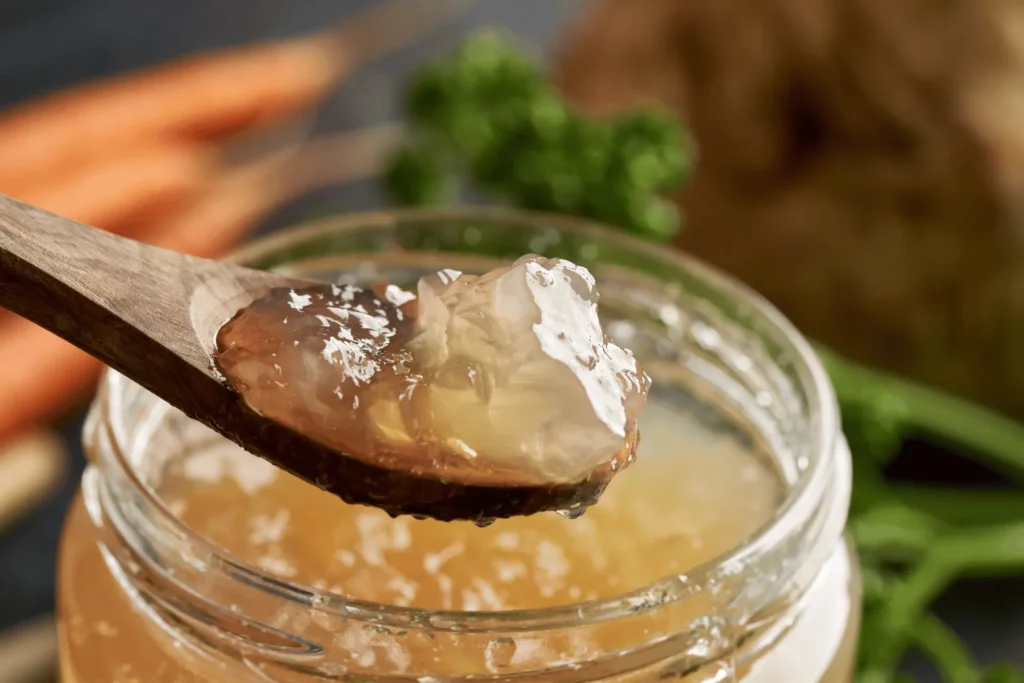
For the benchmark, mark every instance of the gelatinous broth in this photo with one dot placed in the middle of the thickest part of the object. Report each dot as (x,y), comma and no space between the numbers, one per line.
(662,516)
(500,379)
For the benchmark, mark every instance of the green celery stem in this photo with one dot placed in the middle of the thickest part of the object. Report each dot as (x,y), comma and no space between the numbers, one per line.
(954,420)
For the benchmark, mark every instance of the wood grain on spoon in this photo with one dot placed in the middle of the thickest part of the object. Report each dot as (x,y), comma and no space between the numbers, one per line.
(153,316)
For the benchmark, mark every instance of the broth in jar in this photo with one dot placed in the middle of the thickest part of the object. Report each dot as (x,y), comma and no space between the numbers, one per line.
(187,560)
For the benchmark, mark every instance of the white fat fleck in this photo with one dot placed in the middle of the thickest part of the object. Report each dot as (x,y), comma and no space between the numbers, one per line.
(551,567)
(350,293)
(397,296)
(489,598)
(299,301)
(471,601)
(445,583)
(105,629)
(432,562)
(403,589)
(354,360)
(509,570)
(373,538)
(228,461)
(346,557)
(277,565)
(358,642)
(267,528)
(401,534)
(376,326)
(507,540)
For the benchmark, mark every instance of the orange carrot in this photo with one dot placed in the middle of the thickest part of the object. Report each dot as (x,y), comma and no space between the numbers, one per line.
(121,192)
(209,95)
(238,200)
(48,376)
(212,222)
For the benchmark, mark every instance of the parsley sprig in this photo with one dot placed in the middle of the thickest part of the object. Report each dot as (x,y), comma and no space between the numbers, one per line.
(487,117)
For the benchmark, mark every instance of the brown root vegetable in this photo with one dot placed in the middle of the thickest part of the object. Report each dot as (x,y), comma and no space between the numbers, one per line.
(860,163)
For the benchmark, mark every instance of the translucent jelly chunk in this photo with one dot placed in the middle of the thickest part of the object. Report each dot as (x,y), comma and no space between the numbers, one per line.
(501,378)
(521,370)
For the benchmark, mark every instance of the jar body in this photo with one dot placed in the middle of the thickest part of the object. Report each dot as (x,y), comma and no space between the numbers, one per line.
(147,595)
(107,636)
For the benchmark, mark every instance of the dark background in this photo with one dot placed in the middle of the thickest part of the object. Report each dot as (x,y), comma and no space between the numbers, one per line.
(48,44)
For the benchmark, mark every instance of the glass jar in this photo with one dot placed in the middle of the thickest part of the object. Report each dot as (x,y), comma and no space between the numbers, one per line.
(145,596)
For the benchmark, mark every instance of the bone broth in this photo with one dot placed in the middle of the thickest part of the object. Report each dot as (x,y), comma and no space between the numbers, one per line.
(187,559)
(278,523)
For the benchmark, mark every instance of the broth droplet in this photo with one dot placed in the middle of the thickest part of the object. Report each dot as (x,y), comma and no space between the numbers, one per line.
(574,512)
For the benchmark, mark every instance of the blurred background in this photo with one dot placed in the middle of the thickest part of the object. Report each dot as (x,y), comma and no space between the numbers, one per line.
(859,162)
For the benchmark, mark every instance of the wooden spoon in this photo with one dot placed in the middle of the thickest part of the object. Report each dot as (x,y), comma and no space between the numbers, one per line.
(153,315)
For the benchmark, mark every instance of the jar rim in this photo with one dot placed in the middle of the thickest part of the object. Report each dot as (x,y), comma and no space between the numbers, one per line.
(801,501)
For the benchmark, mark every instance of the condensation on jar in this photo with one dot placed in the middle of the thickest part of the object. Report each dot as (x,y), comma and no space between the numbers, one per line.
(719,556)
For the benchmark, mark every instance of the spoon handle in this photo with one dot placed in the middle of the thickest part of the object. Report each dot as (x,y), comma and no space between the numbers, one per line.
(93,288)
(149,313)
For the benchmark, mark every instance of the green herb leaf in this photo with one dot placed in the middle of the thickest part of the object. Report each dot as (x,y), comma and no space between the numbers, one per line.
(486,112)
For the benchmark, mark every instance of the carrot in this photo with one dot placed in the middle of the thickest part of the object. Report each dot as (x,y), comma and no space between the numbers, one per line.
(45,376)
(206,96)
(209,95)
(215,220)
(119,193)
